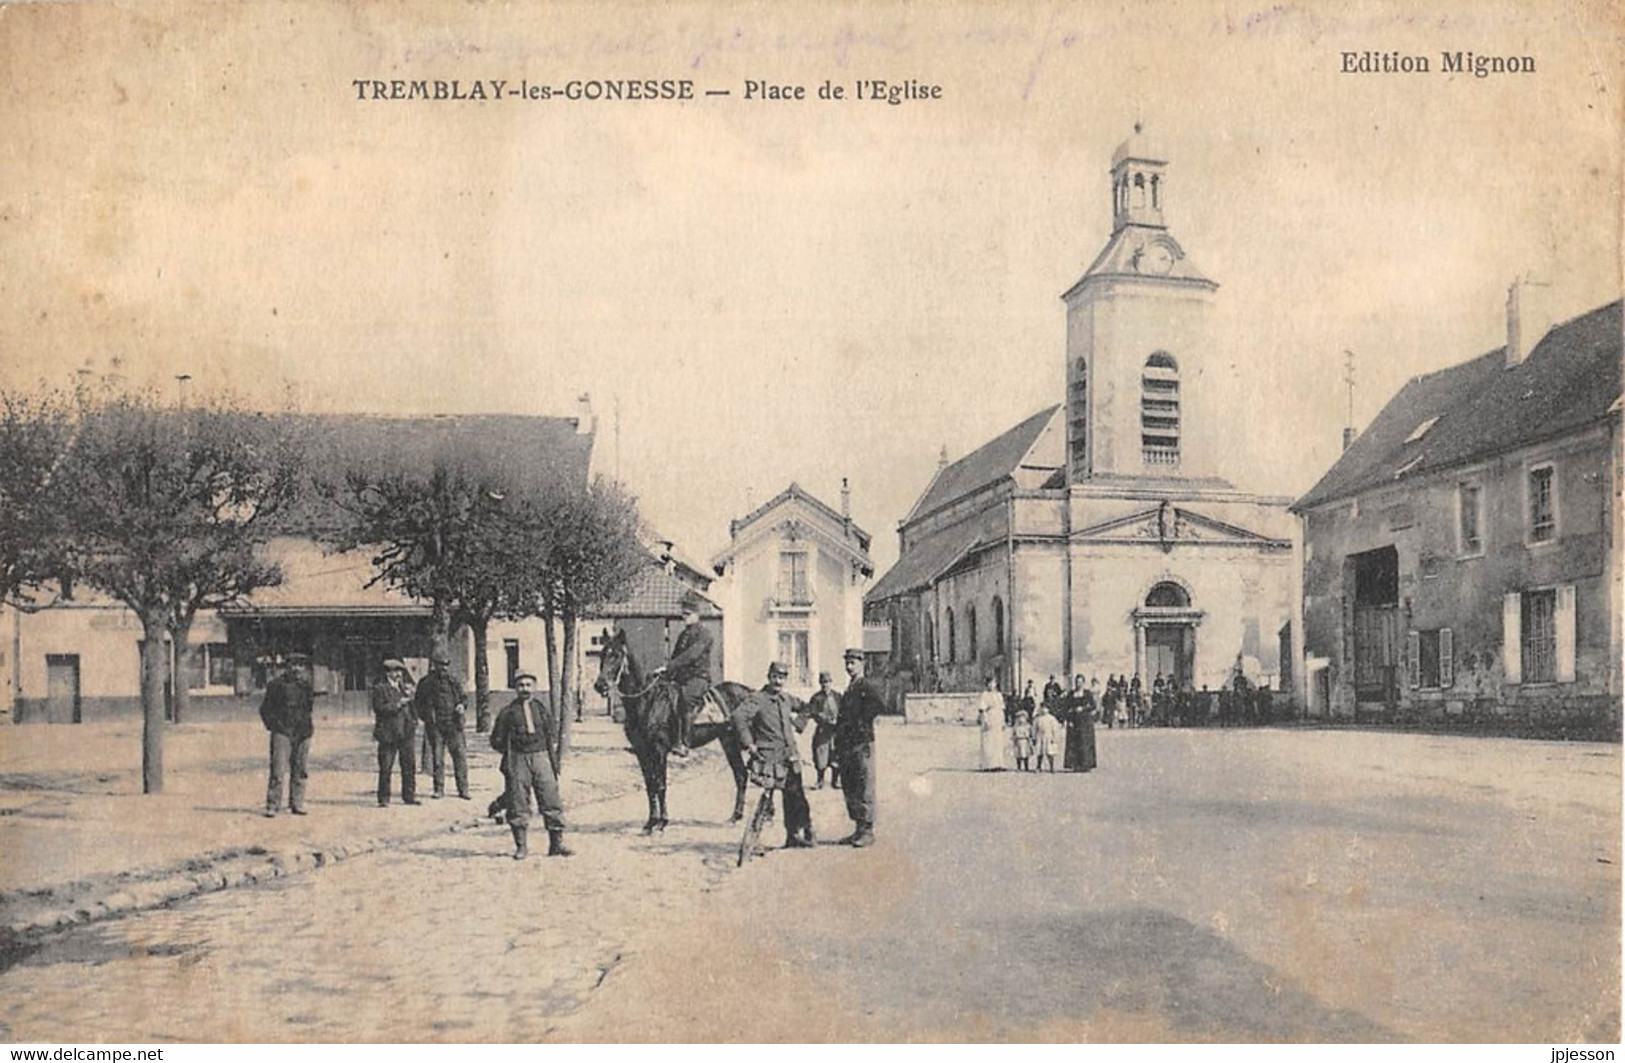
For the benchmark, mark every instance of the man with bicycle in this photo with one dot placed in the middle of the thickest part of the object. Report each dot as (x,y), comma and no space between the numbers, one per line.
(767,736)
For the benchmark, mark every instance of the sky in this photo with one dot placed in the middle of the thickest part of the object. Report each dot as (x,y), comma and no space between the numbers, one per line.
(756,292)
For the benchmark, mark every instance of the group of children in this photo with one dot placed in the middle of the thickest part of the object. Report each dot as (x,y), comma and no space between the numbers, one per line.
(1037,739)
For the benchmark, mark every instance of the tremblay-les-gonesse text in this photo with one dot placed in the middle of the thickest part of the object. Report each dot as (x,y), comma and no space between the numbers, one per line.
(617,90)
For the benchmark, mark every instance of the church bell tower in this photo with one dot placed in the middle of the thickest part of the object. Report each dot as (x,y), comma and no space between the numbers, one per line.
(1137,340)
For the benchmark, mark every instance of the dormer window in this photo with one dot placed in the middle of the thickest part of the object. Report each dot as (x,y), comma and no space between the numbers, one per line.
(1421,430)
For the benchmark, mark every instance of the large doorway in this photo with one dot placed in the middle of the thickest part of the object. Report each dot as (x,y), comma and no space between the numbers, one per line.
(1169,650)
(1375,628)
(62,688)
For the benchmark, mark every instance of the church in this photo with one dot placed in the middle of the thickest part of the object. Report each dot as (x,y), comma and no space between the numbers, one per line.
(1099,536)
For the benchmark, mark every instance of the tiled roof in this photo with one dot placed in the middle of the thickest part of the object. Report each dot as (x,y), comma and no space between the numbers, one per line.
(314,581)
(935,554)
(987,464)
(656,593)
(1479,408)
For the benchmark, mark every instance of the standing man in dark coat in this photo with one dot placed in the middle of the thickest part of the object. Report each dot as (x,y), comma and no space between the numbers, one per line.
(395,730)
(855,749)
(439,703)
(690,669)
(527,736)
(824,708)
(286,713)
(766,725)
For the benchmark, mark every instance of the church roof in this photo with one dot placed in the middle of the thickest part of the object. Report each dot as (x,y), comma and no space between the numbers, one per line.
(986,465)
(1139,146)
(936,553)
(1571,379)
(1127,249)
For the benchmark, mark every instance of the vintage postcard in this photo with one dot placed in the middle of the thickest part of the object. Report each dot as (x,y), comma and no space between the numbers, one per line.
(880,522)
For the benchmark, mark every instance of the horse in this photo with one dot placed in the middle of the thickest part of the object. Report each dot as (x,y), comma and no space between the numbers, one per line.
(651,707)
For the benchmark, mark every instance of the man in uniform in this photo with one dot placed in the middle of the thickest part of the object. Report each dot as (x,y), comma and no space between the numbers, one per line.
(855,749)
(286,713)
(527,736)
(439,703)
(824,708)
(690,669)
(767,736)
(395,730)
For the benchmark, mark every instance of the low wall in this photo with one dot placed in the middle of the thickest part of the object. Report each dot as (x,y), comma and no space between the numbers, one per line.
(940,708)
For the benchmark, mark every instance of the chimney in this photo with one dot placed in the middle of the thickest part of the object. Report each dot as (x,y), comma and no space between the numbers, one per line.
(1348,437)
(942,458)
(585,422)
(667,562)
(1526,323)
(846,499)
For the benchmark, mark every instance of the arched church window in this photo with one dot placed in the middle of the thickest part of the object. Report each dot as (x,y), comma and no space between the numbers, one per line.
(1159,410)
(1168,595)
(952,648)
(970,632)
(930,639)
(998,625)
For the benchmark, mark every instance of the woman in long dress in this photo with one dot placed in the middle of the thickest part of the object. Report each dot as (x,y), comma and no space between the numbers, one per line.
(990,715)
(1080,729)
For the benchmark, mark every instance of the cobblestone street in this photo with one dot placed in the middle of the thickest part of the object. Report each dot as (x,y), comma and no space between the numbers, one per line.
(1237,885)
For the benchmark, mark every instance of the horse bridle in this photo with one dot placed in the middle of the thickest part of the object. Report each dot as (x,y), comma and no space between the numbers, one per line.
(620,673)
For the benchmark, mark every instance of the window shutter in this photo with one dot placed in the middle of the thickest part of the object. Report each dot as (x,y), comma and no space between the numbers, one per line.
(1564,619)
(1413,659)
(1447,658)
(1512,636)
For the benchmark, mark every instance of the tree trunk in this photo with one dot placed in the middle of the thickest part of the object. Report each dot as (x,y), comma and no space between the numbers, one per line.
(571,704)
(553,681)
(482,675)
(440,626)
(154,668)
(183,696)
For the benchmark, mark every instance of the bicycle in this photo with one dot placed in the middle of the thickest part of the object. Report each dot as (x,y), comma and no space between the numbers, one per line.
(753,826)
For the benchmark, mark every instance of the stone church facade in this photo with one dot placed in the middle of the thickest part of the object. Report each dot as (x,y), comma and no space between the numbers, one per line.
(1099,536)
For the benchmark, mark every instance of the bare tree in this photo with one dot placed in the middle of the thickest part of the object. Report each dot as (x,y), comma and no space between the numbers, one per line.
(167,511)
(35,430)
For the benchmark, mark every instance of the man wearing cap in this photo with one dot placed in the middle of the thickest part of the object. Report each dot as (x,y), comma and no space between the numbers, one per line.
(394,729)
(690,669)
(286,713)
(824,708)
(439,704)
(855,749)
(766,725)
(527,736)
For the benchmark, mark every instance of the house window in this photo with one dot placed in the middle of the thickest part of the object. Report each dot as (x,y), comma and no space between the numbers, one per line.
(1159,410)
(1431,659)
(1470,507)
(793,651)
(793,577)
(1539,644)
(1542,505)
(998,626)
(952,647)
(219,666)
(510,654)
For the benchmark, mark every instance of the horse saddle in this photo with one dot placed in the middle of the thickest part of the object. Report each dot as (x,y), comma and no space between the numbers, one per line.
(711,709)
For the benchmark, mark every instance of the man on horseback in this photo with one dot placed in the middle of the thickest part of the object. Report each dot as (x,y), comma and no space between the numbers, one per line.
(689,670)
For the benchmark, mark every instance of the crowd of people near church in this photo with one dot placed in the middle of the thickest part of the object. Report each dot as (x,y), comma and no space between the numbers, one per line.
(1032,732)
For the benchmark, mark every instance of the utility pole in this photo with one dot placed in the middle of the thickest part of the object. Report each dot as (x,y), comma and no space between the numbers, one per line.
(1348,380)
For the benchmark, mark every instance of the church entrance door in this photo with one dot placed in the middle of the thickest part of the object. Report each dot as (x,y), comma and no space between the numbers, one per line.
(1169,650)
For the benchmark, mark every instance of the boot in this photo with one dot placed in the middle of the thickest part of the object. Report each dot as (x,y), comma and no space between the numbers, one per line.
(864,837)
(556,846)
(520,840)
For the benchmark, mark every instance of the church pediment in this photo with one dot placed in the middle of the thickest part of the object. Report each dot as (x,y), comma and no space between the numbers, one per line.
(1169,525)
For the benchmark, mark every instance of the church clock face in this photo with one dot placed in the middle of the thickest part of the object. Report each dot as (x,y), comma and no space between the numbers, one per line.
(1155,260)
